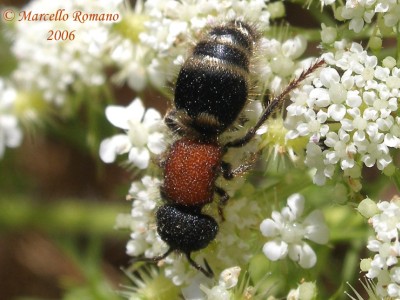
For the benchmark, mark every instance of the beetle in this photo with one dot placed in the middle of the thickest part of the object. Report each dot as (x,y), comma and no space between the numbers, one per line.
(211,91)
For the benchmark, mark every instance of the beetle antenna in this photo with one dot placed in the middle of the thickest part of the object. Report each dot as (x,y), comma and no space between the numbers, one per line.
(272,105)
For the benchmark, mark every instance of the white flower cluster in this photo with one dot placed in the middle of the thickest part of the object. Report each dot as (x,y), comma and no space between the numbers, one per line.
(278,61)
(56,66)
(10,131)
(146,242)
(144,238)
(169,29)
(228,279)
(143,48)
(136,64)
(143,134)
(163,31)
(346,112)
(384,266)
(362,11)
(175,22)
(233,244)
(287,231)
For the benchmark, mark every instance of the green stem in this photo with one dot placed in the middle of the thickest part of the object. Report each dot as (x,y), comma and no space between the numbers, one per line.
(66,216)
(396,176)
(398,48)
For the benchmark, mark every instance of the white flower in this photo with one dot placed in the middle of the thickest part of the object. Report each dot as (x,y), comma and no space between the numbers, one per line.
(144,238)
(360,12)
(278,61)
(10,132)
(199,290)
(233,246)
(229,277)
(392,16)
(384,267)
(347,107)
(386,224)
(137,64)
(306,290)
(169,29)
(314,160)
(54,66)
(288,231)
(143,134)
(394,287)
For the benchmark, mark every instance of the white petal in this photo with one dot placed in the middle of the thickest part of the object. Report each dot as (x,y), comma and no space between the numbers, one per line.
(151,117)
(296,204)
(12,134)
(347,163)
(118,116)
(303,254)
(156,143)
(14,137)
(353,99)
(383,162)
(368,160)
(229,277)
(347,125)
(278,219)
(321,96)
(275,250)
(137,78)
(348,79)
(369,97)
(328,76)
(392,141)
(139,157)
(381,7)
(138,133)
(136,109)
(337,111)
(315,227)
(391,19)
(109,148)
(295,47)
(268,228)
(356,24)
(303,129)
(373,245)
(319,178)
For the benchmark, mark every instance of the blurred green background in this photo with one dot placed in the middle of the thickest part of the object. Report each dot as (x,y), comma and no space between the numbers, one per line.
(58,204)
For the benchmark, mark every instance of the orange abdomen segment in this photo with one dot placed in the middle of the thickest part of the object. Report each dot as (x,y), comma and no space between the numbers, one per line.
(190,171)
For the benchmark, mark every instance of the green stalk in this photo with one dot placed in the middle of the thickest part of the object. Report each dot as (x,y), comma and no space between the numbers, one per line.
(398,49)
(396,176)
(68,216)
